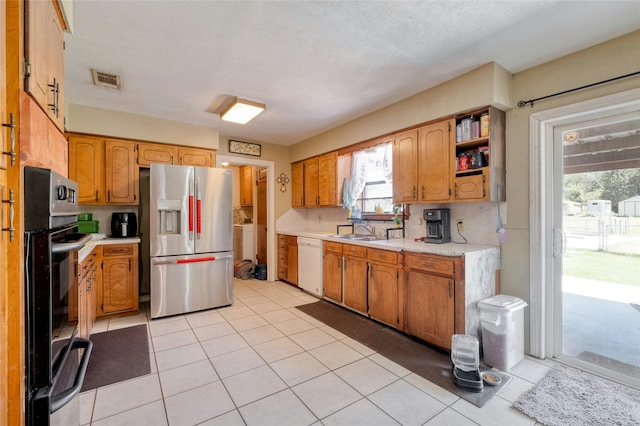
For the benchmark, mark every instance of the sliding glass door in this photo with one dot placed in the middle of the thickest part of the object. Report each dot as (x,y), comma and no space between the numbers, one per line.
(594,205)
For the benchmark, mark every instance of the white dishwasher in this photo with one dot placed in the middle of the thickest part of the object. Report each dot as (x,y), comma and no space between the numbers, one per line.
(310,265)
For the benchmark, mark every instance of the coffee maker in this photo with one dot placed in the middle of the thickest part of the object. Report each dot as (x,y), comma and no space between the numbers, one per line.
(438,226)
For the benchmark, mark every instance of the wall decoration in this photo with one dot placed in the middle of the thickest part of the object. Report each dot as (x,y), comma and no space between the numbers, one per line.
(283,180)
(245,148)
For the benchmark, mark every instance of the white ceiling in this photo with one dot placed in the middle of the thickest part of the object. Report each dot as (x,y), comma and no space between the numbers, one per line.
(316,64)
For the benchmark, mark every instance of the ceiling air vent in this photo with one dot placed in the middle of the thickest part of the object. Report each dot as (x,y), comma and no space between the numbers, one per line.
(103,79)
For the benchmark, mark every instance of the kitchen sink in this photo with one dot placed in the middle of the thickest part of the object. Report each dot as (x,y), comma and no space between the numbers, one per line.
(369,238)
(358,237)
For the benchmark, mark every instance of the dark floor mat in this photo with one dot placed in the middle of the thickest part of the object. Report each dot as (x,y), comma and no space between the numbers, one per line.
(415,356)
(116,356)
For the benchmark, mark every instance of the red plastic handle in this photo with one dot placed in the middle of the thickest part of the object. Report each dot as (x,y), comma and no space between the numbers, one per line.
(199,223)
(200,259)
(190,213)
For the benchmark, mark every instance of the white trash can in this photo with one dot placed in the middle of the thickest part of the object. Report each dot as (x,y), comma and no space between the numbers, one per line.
(502,323)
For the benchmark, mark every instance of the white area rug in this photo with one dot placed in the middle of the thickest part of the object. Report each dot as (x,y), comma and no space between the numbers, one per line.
(567,397)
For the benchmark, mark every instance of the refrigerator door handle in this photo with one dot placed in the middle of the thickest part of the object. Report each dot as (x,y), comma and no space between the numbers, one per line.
(190,215)
(191,208)
(198,209)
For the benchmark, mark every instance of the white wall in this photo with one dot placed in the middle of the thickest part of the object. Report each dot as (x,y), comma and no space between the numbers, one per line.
(105,122)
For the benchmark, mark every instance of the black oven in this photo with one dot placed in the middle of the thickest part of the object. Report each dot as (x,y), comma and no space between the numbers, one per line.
(55,358)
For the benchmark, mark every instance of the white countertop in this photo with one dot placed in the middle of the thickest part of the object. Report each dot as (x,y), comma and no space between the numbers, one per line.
(99,241)
(398,244)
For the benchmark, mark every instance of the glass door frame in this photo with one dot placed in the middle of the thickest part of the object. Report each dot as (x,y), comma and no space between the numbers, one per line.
(545,268)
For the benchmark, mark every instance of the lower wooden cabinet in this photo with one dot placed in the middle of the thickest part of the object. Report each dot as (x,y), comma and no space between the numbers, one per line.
(354,276)
(420,294)
(119,279)
(430,287)
(82,299)
(429,308)
(332,270)
(384,287)
(288,258)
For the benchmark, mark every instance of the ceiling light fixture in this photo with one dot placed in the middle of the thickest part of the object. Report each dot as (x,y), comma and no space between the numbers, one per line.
(242,111)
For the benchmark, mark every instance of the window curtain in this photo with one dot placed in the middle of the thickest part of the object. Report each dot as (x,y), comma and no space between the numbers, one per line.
(359,162)
(369,165)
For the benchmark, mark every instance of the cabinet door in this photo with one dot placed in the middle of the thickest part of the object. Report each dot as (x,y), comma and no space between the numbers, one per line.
(405,167)
(86,166)
(328,179)
(120,278)
(355,283)
(311,175)
(292,260)
(332,275)
(196,157)
(435,143)
(383,293)
(153,153)
(246,185)
(297,184)
(283,257)
(46,59)
(470,187)
(117,285)
(429,308)
(121,172)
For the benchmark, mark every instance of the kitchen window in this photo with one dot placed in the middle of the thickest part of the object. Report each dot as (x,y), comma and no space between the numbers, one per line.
(370,187)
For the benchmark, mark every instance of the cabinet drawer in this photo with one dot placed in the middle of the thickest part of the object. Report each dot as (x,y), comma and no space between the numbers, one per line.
(385,256)
(354,251)
(429,263)
(332,247)
(117,250)
(470,187)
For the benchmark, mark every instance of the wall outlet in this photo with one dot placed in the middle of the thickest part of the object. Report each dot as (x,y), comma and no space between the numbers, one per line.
(460,224)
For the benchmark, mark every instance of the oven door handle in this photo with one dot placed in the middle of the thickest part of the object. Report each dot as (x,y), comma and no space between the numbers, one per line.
(63,398)
(71,245)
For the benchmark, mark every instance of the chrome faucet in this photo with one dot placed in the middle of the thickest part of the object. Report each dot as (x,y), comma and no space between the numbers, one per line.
(370,228)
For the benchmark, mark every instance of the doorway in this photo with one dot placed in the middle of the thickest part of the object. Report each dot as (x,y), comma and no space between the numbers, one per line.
(267,200)
(585,306)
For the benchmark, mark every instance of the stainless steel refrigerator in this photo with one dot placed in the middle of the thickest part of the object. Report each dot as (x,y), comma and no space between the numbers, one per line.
(190,239)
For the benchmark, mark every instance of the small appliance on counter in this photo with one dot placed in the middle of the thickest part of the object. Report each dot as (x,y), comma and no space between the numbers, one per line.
(123,225)
(438,226)
(465,356)
(86,224)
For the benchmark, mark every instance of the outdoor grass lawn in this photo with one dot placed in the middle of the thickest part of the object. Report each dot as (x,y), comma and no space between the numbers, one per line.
(602,266)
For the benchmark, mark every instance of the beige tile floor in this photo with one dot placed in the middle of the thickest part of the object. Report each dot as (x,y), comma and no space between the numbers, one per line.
(263,362)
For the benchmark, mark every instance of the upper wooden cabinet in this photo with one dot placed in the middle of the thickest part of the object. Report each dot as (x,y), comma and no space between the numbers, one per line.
(427,166)
(105,170)
(328,179)
(86,166)
(481,176)
(156,153)
(246,185)
(45,59)
(122,182)
(435,146)
(297,184)
(311,176)
(315,182)
(405,167)
(196,157)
